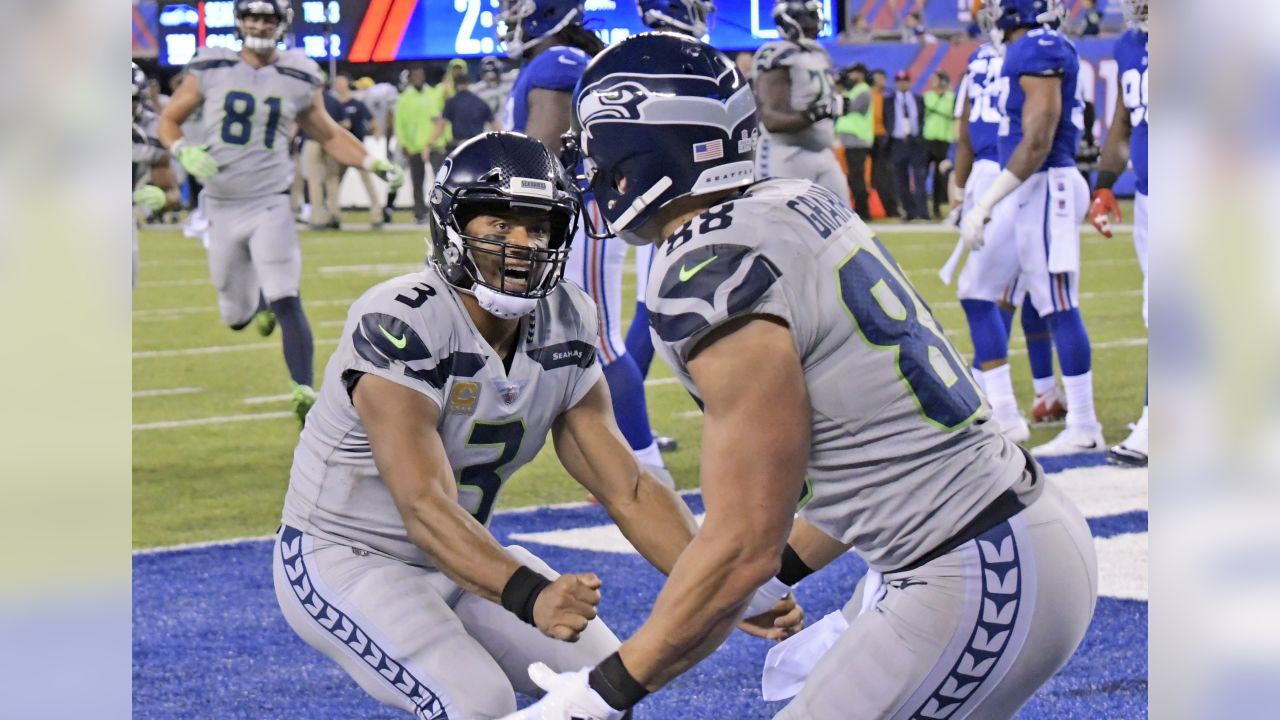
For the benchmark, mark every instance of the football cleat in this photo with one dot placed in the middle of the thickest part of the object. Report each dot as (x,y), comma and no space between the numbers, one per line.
(1072,441)
(264,322)
(303,399)
(665,444)
(1016,429)
(1132,451)
(1049,407)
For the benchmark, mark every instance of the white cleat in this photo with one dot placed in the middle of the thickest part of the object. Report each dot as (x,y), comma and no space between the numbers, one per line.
(1015,428)
(1072,441)
(1132,451)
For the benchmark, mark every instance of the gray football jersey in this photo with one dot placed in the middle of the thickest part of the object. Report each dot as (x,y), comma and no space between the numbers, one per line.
(810,67)
(903,457)
(414,331)
(147,150)
(247,117)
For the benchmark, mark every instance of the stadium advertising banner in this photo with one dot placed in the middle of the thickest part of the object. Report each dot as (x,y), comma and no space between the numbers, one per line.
(393,30)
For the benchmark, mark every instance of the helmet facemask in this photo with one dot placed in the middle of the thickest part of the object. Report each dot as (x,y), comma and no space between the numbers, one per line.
(690,17)
(796,26)
(510,26)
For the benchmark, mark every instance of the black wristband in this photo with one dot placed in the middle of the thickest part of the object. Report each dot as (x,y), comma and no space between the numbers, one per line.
(522,591)
(614,684)
(793,568)
(1106,179)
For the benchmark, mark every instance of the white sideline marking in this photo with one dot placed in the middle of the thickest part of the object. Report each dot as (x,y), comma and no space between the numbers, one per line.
(1122,566)
(1105,489)
(662,381)
(266,399)
(392,269)
(952,304)
(217,349)
(221,420)
(173,283)
(160,392)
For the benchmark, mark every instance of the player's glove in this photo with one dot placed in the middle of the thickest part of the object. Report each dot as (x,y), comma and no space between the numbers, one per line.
(568,697)
(1102,209)
(195,159)
(820,110)
(150,197)
(973,226)
(392,173)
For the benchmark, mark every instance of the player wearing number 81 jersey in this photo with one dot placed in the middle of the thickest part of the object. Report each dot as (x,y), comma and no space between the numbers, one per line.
(823,378)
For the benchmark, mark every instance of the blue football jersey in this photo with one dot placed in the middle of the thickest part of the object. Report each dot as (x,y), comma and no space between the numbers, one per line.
(1131,56)
(982,87)
(556,68)
(1042,53)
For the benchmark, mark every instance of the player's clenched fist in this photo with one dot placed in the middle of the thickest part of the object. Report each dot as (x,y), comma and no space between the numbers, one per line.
(564,608)
(1103,209)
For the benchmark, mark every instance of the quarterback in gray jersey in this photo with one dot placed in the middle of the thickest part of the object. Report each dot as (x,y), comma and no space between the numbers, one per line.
(798,102)
(248,102)
(826,385)
(154,185)
(445,382)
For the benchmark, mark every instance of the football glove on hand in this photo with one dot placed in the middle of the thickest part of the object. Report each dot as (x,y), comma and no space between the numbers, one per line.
(150,197)
(819,111)
(195,159)
(1104,207)
(973,226)
(568,697)
(392,173)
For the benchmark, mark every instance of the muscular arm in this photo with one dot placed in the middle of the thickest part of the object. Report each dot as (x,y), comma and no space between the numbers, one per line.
(186,99)
(411,459)
(773,90)
(592,449)
(816,548)
(336,140)
(964,146)
(752,473)
(548,117)
(1040,117)
(1115,150)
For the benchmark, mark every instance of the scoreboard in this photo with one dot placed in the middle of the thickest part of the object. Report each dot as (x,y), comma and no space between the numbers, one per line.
(394,30)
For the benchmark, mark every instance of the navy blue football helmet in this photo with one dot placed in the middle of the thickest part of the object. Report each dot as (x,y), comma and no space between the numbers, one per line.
(798,19)
(669,115)
(686,16)
(499,172)
(279,9)
(1011,14)
(523,24)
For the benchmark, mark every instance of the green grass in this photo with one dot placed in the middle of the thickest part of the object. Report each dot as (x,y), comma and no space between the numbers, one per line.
(209,482)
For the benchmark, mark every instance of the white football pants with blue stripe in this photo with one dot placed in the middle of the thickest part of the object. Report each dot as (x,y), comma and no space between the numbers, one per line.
(411,637)
(971,634)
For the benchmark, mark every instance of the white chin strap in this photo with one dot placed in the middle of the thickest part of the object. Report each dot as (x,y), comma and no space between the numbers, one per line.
(507,307)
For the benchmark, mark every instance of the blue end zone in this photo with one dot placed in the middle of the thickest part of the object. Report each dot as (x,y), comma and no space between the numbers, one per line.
(209,640)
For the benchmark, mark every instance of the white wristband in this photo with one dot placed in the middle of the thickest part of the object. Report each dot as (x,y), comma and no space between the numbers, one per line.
(177,146)
(368,162)
(1004,184)
(767,595)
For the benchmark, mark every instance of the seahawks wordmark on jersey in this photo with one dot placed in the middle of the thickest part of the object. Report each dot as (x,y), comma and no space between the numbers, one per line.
(414,331)
(902,456)
(248,116)
(809,68)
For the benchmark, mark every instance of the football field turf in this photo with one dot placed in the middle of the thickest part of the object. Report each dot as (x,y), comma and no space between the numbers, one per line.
(213,440)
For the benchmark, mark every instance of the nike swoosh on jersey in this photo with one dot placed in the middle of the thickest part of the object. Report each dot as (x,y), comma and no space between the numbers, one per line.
(1046,43)
(567,60)
(399,342)
(686,273)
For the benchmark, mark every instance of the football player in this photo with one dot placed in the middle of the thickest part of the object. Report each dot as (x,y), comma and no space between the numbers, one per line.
(1127,141)
(249,101)
(447,381)
(1041,121)
(155,186)
(550,37)
(825,383)
(798,101)
(495,85)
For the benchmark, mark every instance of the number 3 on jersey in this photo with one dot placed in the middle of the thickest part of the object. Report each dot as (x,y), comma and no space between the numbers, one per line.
(478,485)
(890,315)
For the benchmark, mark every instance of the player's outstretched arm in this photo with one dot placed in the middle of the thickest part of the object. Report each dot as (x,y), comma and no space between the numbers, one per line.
(773,91)
(755,450)
(342,145)
(410,456)
(593,450)
(185,101)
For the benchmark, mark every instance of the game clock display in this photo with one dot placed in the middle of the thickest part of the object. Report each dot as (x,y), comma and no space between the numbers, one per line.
(391,30)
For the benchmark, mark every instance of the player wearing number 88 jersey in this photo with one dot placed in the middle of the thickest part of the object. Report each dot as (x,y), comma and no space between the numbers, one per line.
(444,383)
(824,379)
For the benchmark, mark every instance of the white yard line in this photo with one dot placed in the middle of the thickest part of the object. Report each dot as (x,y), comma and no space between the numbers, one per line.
(161,392)
(662,381)
(213,308)
(218,349)
(219,420)
(266,399)
(390,269)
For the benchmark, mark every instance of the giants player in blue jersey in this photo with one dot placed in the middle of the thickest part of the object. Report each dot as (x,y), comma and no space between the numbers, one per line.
(1129,124)
(550,37)
(1041,121)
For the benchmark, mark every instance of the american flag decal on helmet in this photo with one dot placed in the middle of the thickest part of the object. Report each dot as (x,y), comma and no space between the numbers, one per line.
(710,150)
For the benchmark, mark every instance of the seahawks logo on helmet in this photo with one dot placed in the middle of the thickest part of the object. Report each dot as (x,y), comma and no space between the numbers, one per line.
(620,102)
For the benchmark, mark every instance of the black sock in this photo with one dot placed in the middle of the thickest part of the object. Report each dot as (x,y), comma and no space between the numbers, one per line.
(295,334)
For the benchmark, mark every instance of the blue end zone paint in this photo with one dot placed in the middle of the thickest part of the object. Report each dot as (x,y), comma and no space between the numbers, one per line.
(209,641)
